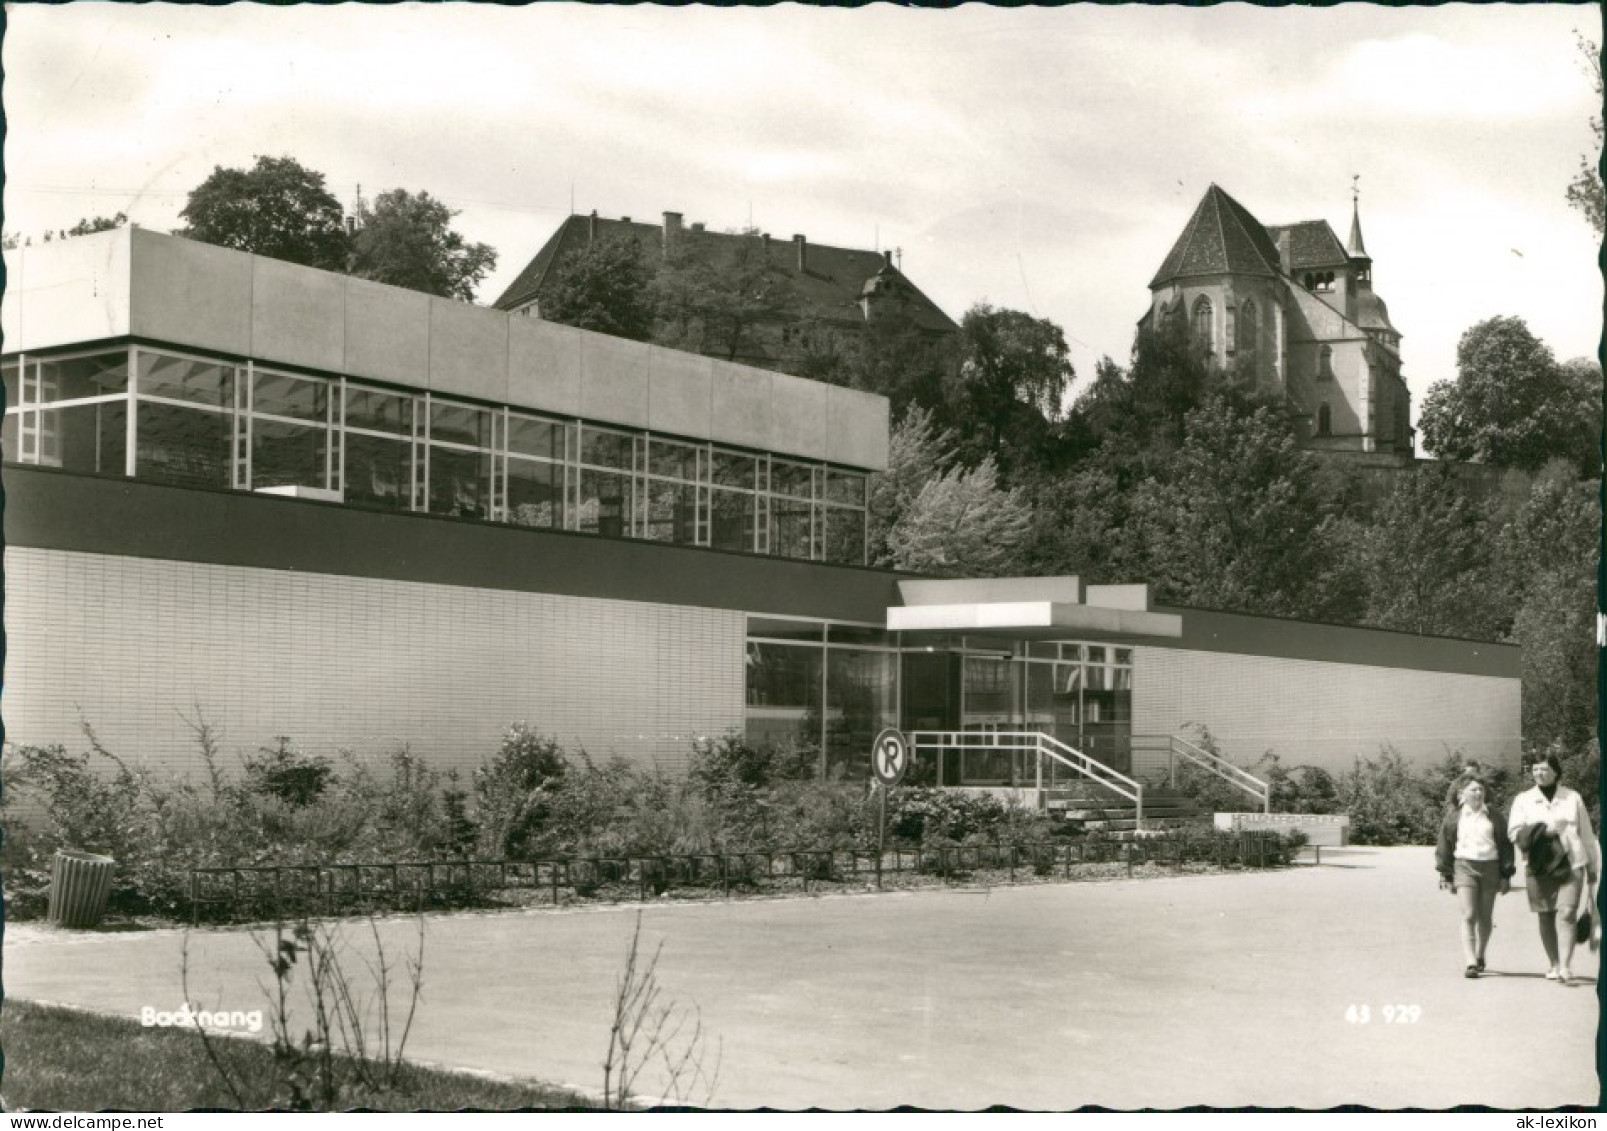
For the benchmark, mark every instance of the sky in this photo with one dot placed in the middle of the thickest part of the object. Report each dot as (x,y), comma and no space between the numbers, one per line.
(1043,159)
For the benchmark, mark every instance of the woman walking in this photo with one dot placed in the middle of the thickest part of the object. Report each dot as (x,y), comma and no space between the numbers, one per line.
(1561,859)
(1475,860)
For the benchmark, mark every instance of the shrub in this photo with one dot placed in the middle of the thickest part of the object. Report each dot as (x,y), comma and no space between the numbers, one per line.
(284,772)
(1388,803)
(922,814)
(513,792)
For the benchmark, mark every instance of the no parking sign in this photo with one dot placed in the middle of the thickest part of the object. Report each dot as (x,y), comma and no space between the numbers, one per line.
(890,756)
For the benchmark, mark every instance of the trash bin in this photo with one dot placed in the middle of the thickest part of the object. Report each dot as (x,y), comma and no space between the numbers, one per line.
(80,882)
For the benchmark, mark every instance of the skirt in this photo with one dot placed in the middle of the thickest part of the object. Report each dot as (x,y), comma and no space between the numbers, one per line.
(1560,895)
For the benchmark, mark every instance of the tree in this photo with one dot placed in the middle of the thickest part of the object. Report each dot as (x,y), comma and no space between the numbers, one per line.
(606,287)
(1587,193)
(1426,560)
(1546,562)
(1512,405)
(962,525)
(1237,519)
(406,239)
(716,298)
(1013,378)
(277,208)
(917,453)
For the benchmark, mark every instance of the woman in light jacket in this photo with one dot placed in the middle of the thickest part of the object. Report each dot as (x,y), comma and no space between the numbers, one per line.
(1475,860)
(1561,859)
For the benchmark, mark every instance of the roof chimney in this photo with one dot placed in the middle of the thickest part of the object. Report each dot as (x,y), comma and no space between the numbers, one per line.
(591,227)
(764,241)
(624,219)
(802,245)
(672,231)
(888,255)
(697,225)
(1285,254)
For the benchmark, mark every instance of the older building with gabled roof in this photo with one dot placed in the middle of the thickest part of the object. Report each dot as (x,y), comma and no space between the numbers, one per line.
(1292,308)
(837,289)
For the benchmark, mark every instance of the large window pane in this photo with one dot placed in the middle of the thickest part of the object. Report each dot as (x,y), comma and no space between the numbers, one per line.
(845,536)
(535,493)
(605,449)
(460,483)
(783,629)
(68,379)
(8,438)
(604,503)
(183,445)
(281,394)
(794,479)
(791,533)
(672,460)
(89,438)
(11,372)
(460,424)
(731,520)
(378,411)
(185,379)
(783,694)
(860,702)
(732,469)
(288,455)
(378,472)
(845,487)
(530,437)
(671,512)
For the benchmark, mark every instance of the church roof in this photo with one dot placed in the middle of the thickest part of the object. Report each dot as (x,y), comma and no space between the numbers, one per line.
(1221,238)
(1312,243)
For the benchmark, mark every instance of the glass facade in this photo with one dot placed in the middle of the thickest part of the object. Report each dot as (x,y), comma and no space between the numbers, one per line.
(833,686)
(175,417)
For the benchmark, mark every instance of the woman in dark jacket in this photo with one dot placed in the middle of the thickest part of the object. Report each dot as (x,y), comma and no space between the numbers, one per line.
(1475,860)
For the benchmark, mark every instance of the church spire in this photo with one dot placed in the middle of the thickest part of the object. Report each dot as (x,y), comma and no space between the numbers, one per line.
(1357,249)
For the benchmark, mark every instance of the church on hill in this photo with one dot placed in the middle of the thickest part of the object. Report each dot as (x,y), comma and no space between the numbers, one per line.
(1292,308)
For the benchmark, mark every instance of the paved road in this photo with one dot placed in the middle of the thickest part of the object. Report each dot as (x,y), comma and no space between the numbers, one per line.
(1219,990)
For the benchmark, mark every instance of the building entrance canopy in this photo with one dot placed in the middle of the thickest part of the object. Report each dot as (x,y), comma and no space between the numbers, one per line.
(1029,608)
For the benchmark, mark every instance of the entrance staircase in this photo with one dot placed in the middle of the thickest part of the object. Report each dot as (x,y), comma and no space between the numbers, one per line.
(1063,780)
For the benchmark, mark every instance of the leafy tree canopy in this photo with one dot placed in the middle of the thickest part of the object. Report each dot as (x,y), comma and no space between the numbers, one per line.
(1586,193)
(406,239)
(1014,375)
(277,208)
(606,287)
(713,297)
(1512,405)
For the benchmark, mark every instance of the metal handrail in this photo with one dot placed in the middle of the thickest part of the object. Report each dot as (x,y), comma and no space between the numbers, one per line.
(1225,770)
(1045,746)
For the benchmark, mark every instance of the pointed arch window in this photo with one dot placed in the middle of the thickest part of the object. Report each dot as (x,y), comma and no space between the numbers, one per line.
(1325,363)
(1325,421)
(1203,323)
(1247,325)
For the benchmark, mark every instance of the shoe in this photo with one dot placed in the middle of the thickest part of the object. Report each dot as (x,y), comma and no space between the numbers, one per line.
(1552,975)
(1565,975)
(1471,972)
(1479,966)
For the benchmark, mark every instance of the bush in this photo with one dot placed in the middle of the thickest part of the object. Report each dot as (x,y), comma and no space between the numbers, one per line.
(1389,804)
(513,792)
(284,772)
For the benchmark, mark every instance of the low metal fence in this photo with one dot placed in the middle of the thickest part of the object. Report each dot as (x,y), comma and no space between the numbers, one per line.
(286,891)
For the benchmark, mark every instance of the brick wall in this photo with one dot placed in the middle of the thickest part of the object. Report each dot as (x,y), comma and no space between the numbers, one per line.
(1318,713)
(363,663)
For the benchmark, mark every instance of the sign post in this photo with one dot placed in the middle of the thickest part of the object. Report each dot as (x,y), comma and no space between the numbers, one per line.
(889,761)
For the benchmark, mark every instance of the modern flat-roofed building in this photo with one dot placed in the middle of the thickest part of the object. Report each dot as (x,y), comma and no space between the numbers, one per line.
(308,505)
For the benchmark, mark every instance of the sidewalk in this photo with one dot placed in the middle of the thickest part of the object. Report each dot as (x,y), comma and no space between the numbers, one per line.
(1221,990)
